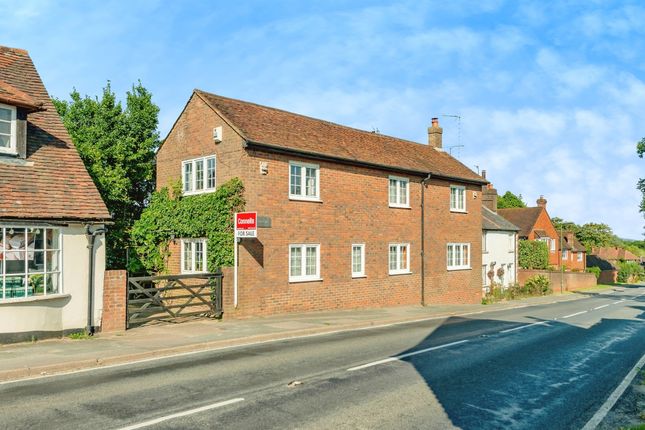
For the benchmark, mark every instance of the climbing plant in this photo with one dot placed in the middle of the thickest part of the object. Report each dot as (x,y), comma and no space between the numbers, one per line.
(172,216)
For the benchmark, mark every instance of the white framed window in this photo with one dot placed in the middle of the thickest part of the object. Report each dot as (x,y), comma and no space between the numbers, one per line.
(552,242)
(193,256)
(358,260)
(485,275)
(304,181)
(579,257)
(30,261)
(7,129)
(458,256)
(399,192)
(399,258)
(484,236)
(199,175)
(565,254)
(457,198)
(511,242)
(304,262)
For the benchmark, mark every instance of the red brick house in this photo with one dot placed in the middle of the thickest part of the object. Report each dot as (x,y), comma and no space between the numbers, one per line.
(574,254)
(345,207)
(48,203)
(535,224)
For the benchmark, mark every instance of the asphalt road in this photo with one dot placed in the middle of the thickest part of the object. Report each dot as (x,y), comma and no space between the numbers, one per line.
(549,366)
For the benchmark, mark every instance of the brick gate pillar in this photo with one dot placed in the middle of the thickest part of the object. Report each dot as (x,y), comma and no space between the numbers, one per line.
(114,298)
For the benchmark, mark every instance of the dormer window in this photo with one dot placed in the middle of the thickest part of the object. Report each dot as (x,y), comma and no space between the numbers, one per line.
(7,129)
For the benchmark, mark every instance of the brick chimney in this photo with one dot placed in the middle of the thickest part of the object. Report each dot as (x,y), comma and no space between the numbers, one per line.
(434,134)
(489,195)
(541,202)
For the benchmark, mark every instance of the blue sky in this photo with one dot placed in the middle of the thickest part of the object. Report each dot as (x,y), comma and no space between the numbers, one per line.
(551,95)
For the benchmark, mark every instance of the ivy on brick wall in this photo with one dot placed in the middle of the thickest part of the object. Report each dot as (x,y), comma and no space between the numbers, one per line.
(533,254)
(173,216)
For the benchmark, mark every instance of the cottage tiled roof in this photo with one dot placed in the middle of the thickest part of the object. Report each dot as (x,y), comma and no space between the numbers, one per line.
(524,218)
(277,129)
(573,244)
(52,182)
(614,253)
(493,221)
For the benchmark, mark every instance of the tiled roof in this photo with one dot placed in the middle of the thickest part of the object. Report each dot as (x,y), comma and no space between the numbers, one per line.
(52,182)
(524,218)
(274,128)
(13,96)
(493,221)
(573,244)
(614,253)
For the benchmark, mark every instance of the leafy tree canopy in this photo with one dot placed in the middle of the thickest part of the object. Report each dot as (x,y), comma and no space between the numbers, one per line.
(640,150)
(118,148)
(510,200)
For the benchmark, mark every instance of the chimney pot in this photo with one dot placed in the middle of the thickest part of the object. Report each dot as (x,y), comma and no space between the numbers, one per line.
(484,174)
(541,202)
(435,134)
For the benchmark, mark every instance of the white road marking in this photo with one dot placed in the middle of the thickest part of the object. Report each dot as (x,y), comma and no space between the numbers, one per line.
(613,398)
(616,302)
(182,414)
(573,315)
(409,354)
(523,327)
(600,307)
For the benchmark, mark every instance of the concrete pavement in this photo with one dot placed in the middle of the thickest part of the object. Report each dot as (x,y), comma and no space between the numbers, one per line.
(48,357)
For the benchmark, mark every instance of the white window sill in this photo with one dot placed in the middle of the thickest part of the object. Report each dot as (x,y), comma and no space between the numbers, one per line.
(399,206)
(458,211)
(303,280)
(305,199)
(407,272)
(452,269)
(32,299)
(194,273)
(358,276)
(196,193)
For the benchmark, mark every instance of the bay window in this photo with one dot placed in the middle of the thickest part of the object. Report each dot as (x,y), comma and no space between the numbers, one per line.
(29,261)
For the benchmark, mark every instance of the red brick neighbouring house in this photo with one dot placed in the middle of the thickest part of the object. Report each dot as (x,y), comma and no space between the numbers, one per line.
(344,205)
(535,224)
(574,254)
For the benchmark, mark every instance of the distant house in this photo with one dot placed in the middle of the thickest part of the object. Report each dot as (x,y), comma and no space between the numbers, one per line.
(607,257)
(535,224)
(499,243)
(574,254)
(48,205)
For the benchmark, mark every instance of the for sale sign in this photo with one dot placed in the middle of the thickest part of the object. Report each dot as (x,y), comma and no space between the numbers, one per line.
(246,224)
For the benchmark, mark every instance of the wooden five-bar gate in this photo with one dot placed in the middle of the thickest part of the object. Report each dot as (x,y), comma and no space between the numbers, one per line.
(152,298)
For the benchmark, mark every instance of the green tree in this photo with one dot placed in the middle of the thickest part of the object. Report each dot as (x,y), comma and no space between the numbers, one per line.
(510,200)
(118,148)
(597,234)
(533,254)
(559,223)
(640,150)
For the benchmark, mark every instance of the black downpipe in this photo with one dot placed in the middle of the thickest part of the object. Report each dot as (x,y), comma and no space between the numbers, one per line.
(423,240)
(91,237)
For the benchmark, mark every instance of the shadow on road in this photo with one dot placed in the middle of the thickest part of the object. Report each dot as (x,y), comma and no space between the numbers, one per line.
(545,376)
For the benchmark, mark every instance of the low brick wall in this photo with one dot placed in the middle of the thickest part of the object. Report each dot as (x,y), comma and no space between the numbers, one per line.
(572,281)
(608,277)
(115,286)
